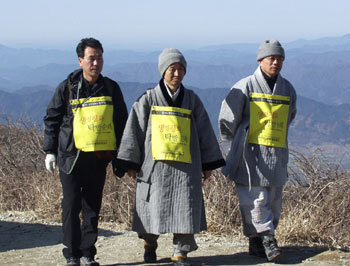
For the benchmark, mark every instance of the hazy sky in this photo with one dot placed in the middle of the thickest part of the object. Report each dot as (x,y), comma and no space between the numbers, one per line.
(151,24)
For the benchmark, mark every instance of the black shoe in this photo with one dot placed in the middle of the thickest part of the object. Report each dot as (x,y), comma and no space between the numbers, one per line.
(180,261)
(86,261)
(272,251)
(150,256)
(256,247)
(73,261)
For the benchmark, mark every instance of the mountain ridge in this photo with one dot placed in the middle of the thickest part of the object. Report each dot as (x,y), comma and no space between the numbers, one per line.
(318,69)
(315,123)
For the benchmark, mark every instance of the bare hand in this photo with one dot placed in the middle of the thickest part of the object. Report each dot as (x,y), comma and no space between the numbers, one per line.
(206,174)
(132,173)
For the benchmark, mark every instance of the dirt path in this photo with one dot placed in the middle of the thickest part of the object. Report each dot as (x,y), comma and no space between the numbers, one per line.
(28,241)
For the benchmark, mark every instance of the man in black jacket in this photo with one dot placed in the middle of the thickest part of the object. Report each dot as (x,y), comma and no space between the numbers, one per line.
(83,128)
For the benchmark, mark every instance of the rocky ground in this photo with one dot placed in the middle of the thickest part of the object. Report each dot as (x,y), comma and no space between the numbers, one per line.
(25,240)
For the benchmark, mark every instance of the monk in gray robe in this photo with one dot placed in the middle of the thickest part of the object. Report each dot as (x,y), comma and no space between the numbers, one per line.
(169,145)
(256,116)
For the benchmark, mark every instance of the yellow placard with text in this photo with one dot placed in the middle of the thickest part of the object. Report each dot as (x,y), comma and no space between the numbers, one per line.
(268,119)
(93,127)
(171,133)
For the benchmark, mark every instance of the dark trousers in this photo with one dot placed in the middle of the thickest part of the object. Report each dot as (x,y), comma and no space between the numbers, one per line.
(82,192)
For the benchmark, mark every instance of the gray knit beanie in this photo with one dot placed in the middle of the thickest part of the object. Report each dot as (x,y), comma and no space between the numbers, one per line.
(168,57)
(268,48)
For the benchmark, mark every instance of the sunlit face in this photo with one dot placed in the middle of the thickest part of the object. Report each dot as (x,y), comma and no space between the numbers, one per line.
(174,75)
(92,63)
(271,65)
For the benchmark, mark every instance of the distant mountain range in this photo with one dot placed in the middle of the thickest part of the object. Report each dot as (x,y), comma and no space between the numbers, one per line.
(316,123)
(318,69)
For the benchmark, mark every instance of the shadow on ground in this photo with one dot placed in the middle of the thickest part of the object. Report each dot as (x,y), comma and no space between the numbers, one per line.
(291,255)
(15,235)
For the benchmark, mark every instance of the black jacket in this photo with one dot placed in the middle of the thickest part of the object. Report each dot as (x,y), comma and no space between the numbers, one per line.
(58,134)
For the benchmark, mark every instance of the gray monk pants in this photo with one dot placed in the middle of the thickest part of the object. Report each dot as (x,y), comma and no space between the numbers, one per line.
(260,208)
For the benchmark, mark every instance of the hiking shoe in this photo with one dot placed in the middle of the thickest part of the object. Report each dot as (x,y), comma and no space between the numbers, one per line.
(256,247)
(180,261)
(73,261)
(272,251)
(86,261)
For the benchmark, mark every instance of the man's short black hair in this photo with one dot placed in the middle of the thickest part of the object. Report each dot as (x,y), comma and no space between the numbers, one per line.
(91,42)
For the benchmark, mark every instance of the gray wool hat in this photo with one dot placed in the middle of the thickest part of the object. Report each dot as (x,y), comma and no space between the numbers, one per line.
(268,48)
(168,57)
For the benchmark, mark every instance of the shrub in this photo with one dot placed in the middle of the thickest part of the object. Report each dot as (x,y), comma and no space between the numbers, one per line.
(316,200)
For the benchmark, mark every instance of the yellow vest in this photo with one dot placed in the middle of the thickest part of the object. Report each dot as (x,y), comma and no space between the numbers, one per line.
(268,119)
(93,128)
(171,133)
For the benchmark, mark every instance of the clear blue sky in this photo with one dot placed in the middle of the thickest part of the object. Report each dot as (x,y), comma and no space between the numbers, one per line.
(151,24)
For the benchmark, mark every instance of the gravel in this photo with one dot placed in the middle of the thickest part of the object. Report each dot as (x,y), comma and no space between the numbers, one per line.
(27,240)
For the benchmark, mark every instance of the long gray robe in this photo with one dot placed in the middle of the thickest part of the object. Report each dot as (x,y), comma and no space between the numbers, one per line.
(252,164)
(169,195)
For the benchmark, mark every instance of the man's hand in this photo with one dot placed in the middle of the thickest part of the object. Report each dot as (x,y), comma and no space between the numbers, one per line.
(132,173)
(206,174)
(50,162)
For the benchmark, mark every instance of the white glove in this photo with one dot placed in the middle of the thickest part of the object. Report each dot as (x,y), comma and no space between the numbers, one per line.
(50,162)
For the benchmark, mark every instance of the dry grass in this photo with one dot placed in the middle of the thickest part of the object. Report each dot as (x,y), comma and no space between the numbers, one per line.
(118,199)
(316,205)
(221,203)
(24,185)
(316,202)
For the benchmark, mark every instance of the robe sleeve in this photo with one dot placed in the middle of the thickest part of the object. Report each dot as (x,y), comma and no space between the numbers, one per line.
(231,112)
(131,151)
(211,155)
